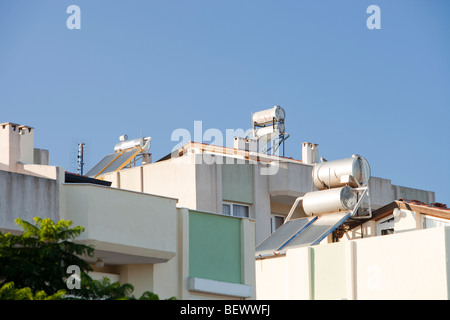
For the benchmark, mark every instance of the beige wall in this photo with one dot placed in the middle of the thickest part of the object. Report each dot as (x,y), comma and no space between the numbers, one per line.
(122,221)
(198,185)
(173,178)
(284,277)
(135,231)
(291,179)
(409,265)
(145,236)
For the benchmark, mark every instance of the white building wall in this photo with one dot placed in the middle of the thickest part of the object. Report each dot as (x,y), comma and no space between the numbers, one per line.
(121,221)
(174,178)
(410,265)
(405,266)
(25,196)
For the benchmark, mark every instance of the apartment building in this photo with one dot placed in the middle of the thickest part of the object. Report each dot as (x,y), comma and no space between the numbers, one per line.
(192,223)
(238,182)
(400,253)
(140,238)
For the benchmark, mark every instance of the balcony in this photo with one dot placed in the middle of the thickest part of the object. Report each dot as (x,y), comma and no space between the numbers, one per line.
(125,227)
(290,181)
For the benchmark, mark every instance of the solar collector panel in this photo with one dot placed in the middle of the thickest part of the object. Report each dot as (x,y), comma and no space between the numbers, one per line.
(113,162)
(320,229)
(302,232)
(94,171)
(283,234)
(122,160)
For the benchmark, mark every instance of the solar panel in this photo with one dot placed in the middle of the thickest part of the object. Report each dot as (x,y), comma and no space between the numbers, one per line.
(319,230)
(102,164)
(113,162)
(283,234)
(122,160)
(302,232)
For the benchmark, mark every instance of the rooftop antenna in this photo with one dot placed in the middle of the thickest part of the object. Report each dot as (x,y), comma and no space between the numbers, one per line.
(80,158)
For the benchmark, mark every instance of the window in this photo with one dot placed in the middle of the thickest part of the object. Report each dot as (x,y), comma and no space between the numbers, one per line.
(235,210)
(276,222)
(387,231)
(385,226)
(433,222)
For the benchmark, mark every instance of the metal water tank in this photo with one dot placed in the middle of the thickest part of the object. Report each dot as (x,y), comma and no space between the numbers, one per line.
(332,174)
(134,143)
(330,201)
(264,117)
(277,128)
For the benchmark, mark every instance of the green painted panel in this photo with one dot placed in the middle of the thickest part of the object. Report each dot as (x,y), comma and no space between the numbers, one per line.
(237,182)
(214,247)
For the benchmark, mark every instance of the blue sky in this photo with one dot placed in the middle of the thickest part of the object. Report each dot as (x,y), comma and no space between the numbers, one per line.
(152,66)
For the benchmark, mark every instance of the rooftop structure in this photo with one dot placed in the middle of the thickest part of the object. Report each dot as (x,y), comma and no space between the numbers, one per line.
(139,238)
(260,185)
(192,223)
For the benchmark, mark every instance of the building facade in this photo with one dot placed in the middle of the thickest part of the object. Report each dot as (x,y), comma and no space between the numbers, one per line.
(192,224)
(241,183)
(401,253)
(139,238)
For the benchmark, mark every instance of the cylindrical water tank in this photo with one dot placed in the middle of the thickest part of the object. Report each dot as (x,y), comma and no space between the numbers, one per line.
(330,200)
(269,129)
(264,117)
(127,144)
(332,174)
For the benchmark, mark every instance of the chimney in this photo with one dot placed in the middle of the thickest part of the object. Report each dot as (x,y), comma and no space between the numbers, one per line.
(310,153)
(16,144)
(146,158)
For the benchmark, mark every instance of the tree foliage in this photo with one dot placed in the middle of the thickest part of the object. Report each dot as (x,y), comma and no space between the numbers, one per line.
(104,289)
(9,292)
(38,258)
(33,265)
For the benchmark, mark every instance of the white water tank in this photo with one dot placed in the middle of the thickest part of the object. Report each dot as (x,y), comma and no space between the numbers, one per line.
(278,128)
(330,201)
(267,116)
(135,143)
(338,173)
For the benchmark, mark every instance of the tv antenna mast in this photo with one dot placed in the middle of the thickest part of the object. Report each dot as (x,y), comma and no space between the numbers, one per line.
(80,158)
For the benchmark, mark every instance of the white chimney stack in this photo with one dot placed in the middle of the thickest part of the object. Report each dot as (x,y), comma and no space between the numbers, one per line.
(16,144)
(310,153)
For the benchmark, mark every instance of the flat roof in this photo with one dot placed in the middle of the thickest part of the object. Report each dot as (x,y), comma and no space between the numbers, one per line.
(227,151)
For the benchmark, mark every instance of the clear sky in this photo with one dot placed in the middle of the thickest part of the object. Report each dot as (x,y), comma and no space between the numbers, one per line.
(152,66)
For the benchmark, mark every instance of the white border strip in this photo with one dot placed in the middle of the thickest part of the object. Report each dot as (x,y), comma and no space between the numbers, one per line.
(219,287)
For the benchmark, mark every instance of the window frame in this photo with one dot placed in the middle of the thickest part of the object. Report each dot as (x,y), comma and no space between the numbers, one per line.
(425,217)
(387,223)
(231,205)
(273,217)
